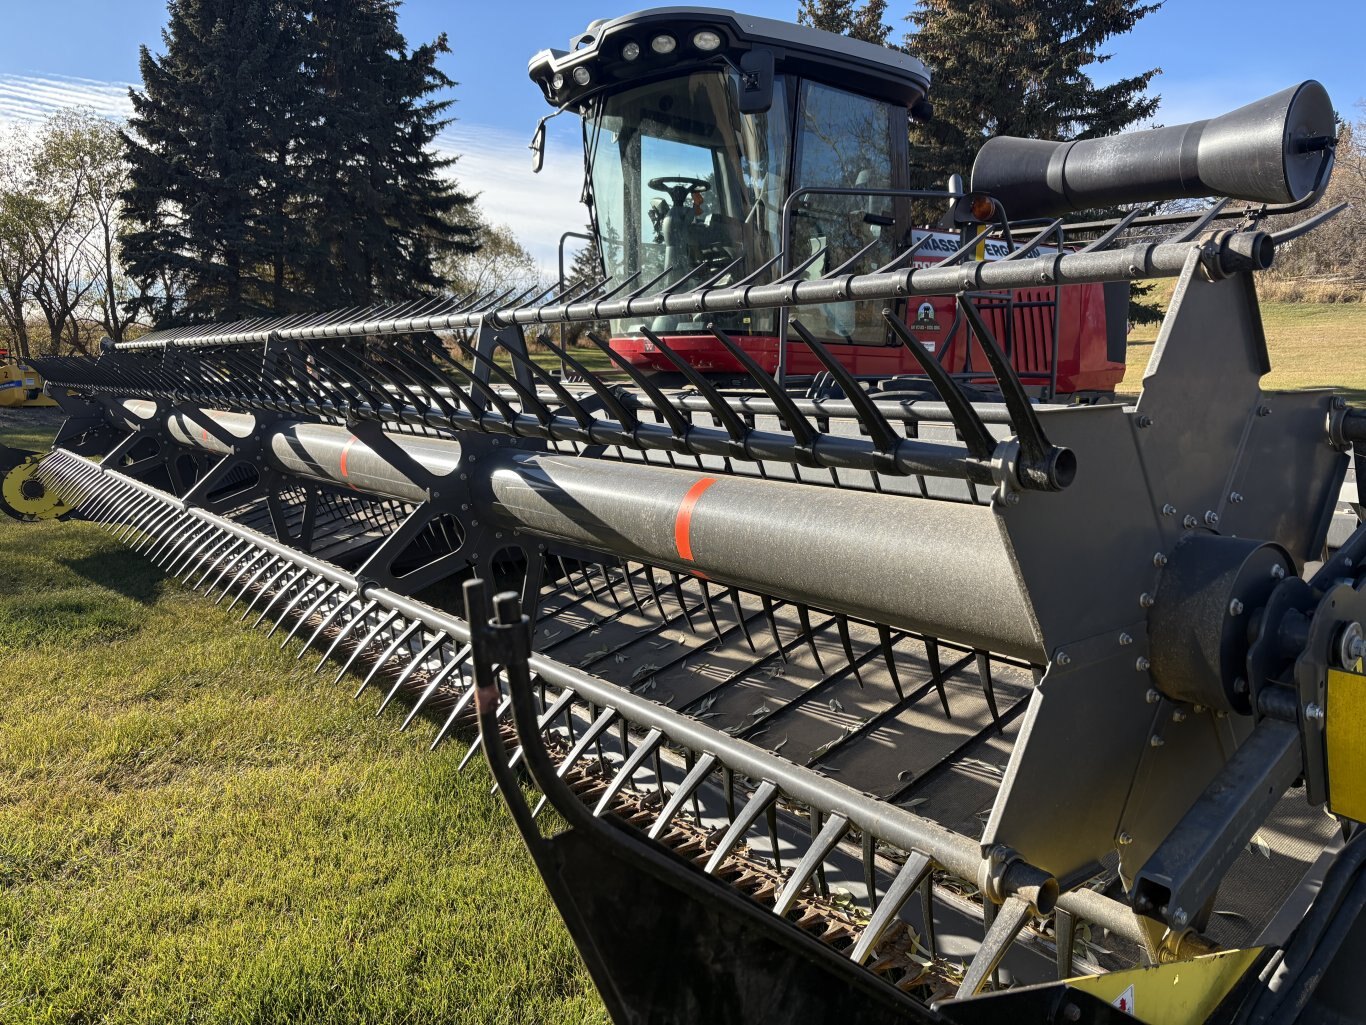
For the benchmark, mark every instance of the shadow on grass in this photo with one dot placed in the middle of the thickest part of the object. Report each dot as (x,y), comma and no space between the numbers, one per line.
(122,570)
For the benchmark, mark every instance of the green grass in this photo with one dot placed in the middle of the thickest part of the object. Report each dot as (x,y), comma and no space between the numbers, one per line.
(195,828)
(1311,345)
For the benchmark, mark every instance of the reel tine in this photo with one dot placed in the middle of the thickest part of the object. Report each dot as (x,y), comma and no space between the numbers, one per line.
(1034,444)
(988,689)
(914,872)
(740,616)
(801,428)
(937,673)
(327,622)
(842,625)
(682,605)
(677,422)
(654,591)
(884,436)
(309,614)
(706,603)
(630,583)
(773,625)
(804,614)
(346,631)
(970,425)
(884,636)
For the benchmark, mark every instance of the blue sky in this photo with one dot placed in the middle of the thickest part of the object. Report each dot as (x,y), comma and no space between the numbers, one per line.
(1214,54)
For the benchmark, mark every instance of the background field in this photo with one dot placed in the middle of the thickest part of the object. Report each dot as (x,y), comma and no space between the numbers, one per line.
(193,827)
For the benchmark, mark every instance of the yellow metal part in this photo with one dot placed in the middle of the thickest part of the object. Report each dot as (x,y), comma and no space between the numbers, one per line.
(1345,729)
(1181,993)
(23,495)
(21,385)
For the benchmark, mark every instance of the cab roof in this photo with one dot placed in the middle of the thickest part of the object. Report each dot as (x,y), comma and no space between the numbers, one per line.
(601,50)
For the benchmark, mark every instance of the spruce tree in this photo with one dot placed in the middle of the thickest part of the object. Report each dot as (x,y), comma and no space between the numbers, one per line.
(207,192)
(381,204)
(845,17)
(1019,67)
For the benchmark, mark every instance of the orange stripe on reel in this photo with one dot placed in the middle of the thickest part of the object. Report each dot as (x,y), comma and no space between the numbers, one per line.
(346,449)
(683,520)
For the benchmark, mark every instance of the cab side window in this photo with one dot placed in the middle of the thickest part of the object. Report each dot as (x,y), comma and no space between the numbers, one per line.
(843,141)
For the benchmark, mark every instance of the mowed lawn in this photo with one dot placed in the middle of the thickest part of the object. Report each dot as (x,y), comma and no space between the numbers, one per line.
(193,827)
(1311,345)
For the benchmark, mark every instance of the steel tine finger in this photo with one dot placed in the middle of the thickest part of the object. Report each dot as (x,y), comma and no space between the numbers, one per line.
(414,664)
(629,767)
(280,592)
(299,596)
(764,795)
(654,591)
(460,705)
(434,683)
(403,636)
(915,871)
(630,583)
(831,833)
(700,770)
(264,568)
(346,631)
(326,623)
(384,623)
(1010,918)
(309,613)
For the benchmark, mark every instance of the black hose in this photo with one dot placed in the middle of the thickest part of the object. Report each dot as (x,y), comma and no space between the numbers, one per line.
(1315,940)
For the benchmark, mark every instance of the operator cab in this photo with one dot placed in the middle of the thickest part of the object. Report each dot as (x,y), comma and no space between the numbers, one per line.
(699,125)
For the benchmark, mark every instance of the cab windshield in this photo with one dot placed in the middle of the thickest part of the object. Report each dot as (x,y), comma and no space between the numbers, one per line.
(685,187)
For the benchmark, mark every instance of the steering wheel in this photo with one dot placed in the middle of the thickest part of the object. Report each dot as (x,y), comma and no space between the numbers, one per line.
(678,187)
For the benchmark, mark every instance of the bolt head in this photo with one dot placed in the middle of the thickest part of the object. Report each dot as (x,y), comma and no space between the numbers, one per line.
(1159,560)
(1124,838)
(1263,410)
(1062,658)
(1153,696)
(1178,715)
(1146,600)
(1180,919)
(1142,664)
(1190,521)
(1155,741)
(1211,518)
(1125,640)
(1012,498)
(1235,497)
(1235,607)
(1314,712)
(1144,421)
(1169,510)
(1277,572)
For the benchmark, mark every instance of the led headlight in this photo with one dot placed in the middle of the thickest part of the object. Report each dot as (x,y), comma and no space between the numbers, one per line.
(663,44)
(707,40)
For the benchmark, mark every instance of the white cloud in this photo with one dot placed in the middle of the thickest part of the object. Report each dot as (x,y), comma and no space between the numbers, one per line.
(539,208)
(33,97)
(495,163)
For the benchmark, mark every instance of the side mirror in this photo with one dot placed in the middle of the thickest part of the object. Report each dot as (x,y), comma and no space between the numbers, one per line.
(538,148)
(756,81)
